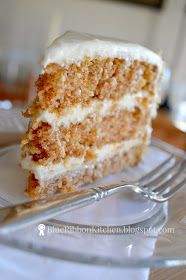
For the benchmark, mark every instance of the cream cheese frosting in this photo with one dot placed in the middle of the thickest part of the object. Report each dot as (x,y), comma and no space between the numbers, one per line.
(78,113)
(72,47)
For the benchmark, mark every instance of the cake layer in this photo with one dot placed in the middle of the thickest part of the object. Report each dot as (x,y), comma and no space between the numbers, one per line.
(72,47)
(98,79)
(46,144)
(46,172)
(86,173)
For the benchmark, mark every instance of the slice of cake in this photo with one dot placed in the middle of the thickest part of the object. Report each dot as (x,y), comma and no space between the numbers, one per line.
(92,114)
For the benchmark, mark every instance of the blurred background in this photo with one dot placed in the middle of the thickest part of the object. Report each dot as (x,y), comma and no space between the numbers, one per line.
(28,27)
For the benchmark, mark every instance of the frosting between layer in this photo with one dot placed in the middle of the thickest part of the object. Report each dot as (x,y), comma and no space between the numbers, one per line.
(44,173)
(78,113)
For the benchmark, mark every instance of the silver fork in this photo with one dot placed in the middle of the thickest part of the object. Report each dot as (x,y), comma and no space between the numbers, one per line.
(158,185)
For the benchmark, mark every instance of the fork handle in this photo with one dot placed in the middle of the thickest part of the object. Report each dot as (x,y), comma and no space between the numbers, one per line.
(24,214)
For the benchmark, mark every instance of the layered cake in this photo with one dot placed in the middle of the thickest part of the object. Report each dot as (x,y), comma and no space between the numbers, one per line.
(92,114)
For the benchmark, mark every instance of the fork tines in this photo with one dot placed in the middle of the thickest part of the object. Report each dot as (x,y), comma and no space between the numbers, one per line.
(163,181)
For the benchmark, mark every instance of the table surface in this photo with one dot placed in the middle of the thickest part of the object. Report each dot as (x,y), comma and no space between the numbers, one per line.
(165,130)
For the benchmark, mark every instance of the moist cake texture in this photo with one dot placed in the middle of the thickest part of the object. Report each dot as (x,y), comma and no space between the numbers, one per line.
(92,114)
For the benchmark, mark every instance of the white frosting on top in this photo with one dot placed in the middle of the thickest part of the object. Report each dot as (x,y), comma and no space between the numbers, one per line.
(47,172)
(72,47)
